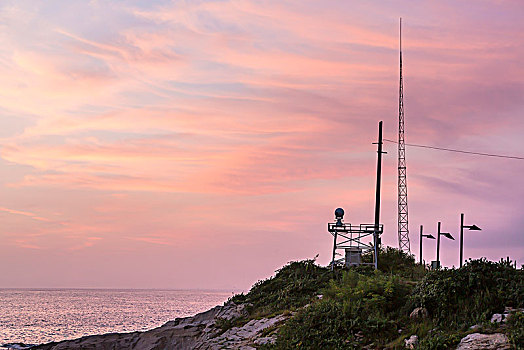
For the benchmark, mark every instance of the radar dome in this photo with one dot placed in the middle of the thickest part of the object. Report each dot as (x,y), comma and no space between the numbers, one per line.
(339,213)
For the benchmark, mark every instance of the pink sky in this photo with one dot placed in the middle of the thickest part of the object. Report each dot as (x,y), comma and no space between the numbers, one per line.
(204,144)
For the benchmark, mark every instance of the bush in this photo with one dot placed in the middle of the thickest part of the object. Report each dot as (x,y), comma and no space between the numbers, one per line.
(395,261)
(323,325)
(293,286)
(516,330)
(460,297)
(357,310)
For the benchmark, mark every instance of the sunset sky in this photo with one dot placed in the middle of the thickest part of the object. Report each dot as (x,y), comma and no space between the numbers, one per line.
(204,144)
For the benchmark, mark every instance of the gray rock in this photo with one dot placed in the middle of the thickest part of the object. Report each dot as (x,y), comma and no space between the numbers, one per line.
(478,341)
(508,311)
(265,340)
(475,327)
(17,346)
(497,318)
(197,332)
(419,313)
(237,337)
(412,342)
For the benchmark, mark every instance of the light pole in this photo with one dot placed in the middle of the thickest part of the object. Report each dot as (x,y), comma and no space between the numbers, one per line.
(430,236)
(462,227)
(445,234)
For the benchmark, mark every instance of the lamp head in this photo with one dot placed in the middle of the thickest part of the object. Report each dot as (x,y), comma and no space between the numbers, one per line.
(447,235)
(430,236)
(474,228)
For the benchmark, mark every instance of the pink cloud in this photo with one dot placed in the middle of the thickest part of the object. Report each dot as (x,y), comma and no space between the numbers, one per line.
(233,129)
(24,213)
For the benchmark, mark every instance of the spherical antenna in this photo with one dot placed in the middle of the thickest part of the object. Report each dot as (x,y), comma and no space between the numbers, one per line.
(339,213)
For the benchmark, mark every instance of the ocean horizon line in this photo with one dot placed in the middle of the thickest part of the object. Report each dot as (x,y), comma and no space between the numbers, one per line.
(123,289)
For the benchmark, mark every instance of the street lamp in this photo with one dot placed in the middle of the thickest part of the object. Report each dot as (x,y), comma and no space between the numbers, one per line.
(445,234)
(462,227)
(430,236)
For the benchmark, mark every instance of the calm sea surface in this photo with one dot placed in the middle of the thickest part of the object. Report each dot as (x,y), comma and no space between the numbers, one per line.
(37,316)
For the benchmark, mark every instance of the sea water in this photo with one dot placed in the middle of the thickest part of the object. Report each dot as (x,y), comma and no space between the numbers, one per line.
(35,316)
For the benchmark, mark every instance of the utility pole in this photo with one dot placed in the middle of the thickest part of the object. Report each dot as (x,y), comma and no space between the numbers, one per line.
(376,236)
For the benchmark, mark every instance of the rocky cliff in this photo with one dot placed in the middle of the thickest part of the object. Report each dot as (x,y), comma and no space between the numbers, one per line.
(202,331)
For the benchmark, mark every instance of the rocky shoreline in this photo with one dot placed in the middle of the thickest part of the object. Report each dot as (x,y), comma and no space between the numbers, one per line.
(204,331)
(213,330)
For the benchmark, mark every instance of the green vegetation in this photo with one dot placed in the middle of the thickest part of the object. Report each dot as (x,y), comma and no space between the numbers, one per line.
(293,286)
(359,309)
(365,309)
(479,289)
(516,330)
(394,261)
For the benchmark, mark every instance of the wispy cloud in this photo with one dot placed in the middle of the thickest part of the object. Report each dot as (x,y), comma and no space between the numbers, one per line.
(24,213)
(180,127)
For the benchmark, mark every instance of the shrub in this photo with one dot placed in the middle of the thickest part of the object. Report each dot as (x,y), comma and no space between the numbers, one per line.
(516,329)
(356,310)
(293,286)
(395,261)
(324,325)
(458,297)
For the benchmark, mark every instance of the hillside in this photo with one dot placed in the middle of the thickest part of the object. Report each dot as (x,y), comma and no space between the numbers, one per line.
(362,308)
(306,306)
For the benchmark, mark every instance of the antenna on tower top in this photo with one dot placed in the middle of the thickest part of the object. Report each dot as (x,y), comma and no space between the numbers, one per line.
(403,228)
(400,36)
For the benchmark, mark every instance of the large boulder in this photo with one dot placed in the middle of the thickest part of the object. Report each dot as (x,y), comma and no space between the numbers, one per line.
(478,341)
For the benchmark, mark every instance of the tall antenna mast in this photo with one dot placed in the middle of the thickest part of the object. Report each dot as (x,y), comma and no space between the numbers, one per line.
(403,228)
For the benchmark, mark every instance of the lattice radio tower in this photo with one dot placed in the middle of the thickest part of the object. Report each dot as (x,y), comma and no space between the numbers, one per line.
(403,228)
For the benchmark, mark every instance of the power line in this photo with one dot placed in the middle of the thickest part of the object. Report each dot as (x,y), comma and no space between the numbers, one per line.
(460,151)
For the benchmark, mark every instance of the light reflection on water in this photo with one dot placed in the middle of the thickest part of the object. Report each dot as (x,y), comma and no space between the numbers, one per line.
(45,315)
